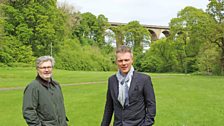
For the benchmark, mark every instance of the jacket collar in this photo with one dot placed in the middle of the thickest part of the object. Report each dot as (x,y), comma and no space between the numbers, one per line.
(44,82)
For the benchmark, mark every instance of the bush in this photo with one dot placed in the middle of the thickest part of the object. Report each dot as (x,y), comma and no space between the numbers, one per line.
(13,50)
(3,65)
(73,56)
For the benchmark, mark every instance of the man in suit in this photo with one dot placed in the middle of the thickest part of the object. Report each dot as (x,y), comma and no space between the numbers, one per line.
(130,94)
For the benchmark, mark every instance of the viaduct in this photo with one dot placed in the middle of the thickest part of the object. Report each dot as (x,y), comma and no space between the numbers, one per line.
(155,30)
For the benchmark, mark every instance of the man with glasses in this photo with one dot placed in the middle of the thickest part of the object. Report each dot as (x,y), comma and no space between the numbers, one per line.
(43,103)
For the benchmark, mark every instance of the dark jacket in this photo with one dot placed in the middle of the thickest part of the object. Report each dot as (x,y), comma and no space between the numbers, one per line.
(43,104)
(142,105)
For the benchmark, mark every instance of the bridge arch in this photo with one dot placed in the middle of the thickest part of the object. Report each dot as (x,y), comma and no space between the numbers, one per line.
(154,36)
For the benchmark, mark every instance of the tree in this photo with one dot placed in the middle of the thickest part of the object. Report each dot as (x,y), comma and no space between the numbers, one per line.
(187,31)
(119,34)
(85,31)
(92,29)
(216,30)
(135,35)
(35,23)
(71,18)
(103,25)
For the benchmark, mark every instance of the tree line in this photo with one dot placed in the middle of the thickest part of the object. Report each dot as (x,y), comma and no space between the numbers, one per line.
(83,41)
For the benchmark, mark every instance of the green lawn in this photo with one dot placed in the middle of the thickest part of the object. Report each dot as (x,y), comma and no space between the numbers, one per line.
(182,100)
(20,77)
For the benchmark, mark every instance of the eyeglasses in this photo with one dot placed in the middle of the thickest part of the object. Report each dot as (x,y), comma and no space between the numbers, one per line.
(47,67)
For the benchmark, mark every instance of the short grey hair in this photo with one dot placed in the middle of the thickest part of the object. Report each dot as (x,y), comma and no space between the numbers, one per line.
(42,59)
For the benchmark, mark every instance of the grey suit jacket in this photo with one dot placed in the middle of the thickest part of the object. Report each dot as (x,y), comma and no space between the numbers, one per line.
(142,105)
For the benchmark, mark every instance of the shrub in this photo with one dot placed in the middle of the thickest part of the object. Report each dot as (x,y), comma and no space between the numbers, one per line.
(73,56)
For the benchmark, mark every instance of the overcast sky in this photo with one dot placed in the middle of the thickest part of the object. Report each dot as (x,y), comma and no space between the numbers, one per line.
(150,12)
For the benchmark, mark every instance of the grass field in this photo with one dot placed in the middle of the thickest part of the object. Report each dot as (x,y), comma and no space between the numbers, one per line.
(182,100)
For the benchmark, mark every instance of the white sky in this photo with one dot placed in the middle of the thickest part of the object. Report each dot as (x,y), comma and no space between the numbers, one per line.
(150,12)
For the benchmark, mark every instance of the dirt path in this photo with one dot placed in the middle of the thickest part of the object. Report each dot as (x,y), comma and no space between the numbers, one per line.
(63,85)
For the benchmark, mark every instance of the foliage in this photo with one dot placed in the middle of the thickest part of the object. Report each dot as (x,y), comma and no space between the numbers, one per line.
(1,23)
(103,25)
(74,56)
(216,32)
(35,23)
(132,34)
(136,35)
(187,33)
(71,18)
(14,51)
(119,34)
(208,59)
(91,30)
(159,58)
(29,29)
